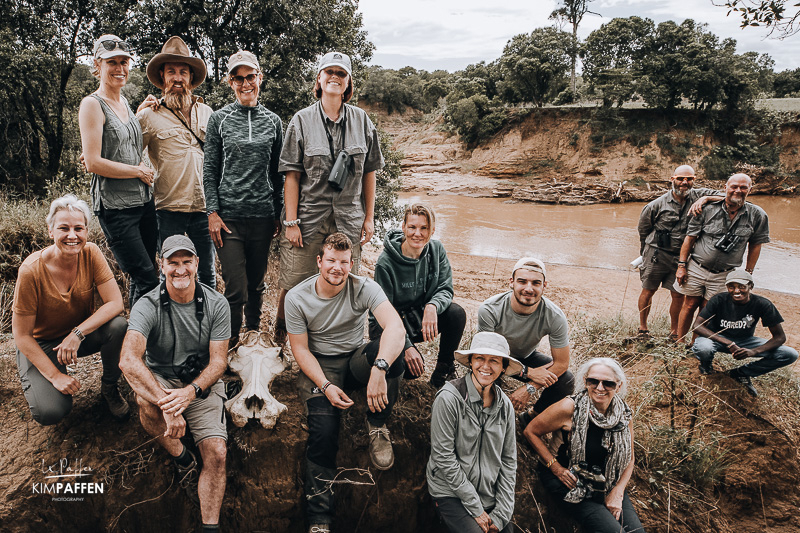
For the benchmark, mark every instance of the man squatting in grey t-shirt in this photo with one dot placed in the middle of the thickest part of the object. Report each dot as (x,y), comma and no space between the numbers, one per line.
(325,318)
(173,356)
(523,316)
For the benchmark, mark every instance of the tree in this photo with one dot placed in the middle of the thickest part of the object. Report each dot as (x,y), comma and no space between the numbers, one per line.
(787,84)
(572,11)
(533,66)
(779,16)
(610,55)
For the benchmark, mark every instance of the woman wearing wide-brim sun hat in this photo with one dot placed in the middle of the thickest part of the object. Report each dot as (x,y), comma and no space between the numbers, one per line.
(473,423)
(122,192)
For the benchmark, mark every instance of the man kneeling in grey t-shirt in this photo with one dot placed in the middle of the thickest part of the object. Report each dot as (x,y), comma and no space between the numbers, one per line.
(523,316)
(325,318)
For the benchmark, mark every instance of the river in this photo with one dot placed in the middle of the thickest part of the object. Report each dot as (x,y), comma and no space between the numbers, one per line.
(599,236)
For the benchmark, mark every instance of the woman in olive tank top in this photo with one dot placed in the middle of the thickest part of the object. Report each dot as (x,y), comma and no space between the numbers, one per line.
(121,186)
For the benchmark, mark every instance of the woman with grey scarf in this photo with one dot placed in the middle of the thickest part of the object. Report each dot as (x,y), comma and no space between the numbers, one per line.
(587,460)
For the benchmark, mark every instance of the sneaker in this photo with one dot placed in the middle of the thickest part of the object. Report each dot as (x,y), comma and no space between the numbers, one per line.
(706,368)
(441,376)
(118,405)
(187,478)
(319,528)
(380,447)
(745,381)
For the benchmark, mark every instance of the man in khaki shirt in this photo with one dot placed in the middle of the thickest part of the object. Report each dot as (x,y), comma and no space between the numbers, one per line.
(174,130)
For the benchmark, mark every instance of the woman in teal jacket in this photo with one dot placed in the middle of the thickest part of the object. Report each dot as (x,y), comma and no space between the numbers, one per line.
(244,191)
(415,274)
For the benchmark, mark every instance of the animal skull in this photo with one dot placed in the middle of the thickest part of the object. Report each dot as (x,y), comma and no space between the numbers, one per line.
(257,364)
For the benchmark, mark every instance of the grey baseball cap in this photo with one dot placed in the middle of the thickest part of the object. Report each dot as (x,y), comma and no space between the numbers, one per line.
(739,275)
(335,59)
(108,45)
(176,243)
(242,57)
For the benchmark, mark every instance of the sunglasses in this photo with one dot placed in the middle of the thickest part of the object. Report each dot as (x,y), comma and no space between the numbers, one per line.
(239,80)
(335,72)
(111,45)
(607,383)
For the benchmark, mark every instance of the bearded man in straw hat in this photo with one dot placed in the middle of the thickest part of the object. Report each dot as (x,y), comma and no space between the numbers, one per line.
(174,130)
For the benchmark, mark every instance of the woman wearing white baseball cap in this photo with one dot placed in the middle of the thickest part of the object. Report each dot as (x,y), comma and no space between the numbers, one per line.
(122,185)
(473,423)
(330,156)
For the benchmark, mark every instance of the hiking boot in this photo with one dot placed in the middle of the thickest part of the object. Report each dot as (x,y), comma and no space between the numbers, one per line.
(116,403)
(187,478)
(440,376)
(745,381)
(380,447)
(706,368)
(319,528)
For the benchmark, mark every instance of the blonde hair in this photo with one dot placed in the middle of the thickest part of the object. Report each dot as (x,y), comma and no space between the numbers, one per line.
(421,210)
(68,202)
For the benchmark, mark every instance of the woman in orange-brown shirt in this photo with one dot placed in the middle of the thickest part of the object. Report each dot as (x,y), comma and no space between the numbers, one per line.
(54,321)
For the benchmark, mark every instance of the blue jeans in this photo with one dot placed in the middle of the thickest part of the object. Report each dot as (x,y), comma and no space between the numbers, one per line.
(132,235)
(195,226)
(704,348)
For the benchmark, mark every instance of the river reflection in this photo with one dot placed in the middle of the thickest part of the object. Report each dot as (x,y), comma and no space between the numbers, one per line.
(601,235)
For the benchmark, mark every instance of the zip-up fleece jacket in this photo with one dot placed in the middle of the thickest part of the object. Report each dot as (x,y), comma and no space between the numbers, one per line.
(414,282)
(473,450)
(240,170)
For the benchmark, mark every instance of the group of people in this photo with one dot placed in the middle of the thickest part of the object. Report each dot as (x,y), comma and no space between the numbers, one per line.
(693,243)
(225,183)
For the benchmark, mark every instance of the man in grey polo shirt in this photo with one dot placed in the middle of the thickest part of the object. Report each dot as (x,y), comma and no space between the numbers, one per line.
(325,319)
(662,228)
(715,244)
(314,208)
(523,316)
(173,356)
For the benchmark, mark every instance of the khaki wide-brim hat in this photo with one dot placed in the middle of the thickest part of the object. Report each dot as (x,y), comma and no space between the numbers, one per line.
(176,51)
(490,343)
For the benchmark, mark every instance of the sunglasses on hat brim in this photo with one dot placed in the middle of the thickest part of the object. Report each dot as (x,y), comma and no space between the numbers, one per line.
(112,44)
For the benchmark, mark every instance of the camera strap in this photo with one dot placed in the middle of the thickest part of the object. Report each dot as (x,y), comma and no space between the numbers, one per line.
(202,144)
(199,313)
(328,133)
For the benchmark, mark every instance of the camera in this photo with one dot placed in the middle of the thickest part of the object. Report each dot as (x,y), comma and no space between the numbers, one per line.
(337,179)
(727,242)
(593,481)
(191,368)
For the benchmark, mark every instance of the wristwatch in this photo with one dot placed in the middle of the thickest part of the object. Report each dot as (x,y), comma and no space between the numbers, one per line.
(198,392)
(531,389)
(290,223)
(381,364)
(79,334)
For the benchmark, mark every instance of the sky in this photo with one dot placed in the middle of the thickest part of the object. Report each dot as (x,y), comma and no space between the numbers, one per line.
(451,34)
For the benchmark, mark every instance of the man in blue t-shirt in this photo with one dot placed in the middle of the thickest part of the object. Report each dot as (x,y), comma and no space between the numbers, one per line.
(728,322)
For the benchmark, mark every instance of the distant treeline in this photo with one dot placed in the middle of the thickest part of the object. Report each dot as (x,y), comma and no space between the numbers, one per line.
(665,66)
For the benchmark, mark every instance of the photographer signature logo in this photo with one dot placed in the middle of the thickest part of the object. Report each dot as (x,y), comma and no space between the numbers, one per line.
(67,480)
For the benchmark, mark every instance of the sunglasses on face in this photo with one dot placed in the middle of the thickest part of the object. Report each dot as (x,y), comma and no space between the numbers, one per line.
(607,383)
(111,45)
(335,72)
(239,80)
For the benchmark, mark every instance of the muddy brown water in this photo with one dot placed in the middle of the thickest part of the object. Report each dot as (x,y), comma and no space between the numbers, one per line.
(599,236)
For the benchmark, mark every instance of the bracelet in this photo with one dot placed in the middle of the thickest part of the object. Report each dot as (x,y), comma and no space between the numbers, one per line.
(550,463)
(524,371)
(290,223)
(681,263)
(324,387)
(79,334)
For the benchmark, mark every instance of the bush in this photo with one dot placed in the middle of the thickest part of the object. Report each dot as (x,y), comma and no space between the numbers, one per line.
(475,119)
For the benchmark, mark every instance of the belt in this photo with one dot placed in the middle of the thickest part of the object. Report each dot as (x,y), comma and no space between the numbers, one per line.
(713,271)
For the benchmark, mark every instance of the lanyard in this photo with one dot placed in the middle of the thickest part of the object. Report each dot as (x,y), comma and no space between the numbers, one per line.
(328,133)
(202,144)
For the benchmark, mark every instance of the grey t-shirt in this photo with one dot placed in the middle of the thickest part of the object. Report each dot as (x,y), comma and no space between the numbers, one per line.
(150,320)
(750,225)
(523,332)
(334,325)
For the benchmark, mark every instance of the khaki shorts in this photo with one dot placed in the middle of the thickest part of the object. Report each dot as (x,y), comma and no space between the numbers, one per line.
(297,264)
(701,282)
(662,272)
(205,418)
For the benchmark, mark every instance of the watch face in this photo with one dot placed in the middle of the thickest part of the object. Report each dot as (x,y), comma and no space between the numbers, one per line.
(382,364)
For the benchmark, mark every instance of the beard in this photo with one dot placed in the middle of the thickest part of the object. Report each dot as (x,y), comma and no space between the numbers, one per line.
(736,200)
(177,98)
(678,193)
(181,283)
